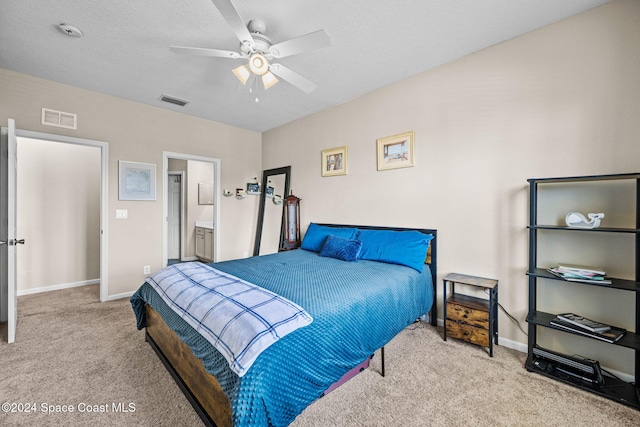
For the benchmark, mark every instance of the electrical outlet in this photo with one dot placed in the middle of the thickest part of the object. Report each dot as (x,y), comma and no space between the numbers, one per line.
(245,254)
(147,269)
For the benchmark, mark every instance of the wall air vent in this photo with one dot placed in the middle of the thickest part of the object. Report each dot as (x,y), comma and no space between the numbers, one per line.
(173,100)
(59,119)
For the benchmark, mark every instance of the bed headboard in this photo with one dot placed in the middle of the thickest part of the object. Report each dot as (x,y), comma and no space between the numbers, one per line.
(431,258)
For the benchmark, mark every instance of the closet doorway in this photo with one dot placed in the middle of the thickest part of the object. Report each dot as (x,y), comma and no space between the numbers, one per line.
(182,207)
(175,215)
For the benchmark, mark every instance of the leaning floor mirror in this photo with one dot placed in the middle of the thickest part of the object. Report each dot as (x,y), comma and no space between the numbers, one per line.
(275,187)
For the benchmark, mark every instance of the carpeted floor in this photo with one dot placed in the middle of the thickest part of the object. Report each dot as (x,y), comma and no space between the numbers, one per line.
(72,350)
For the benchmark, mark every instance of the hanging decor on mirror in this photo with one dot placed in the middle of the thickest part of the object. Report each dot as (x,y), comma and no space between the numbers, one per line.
(268,190)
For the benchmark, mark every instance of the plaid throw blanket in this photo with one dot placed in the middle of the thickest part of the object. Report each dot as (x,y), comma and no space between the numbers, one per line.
(238,318)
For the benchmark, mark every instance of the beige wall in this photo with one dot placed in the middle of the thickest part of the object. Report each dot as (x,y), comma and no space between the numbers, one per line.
(560,101)
(140,133)
(59,214)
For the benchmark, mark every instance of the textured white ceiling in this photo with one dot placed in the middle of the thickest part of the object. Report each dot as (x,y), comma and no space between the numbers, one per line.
(125,48)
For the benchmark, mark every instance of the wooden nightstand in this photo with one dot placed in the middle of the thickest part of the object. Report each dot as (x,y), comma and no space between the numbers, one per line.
(470,318)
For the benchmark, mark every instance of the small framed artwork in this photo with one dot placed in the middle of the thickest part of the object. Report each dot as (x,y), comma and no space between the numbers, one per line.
(395,151)
(253,188)
(268,192)
(136,181)
(334,161)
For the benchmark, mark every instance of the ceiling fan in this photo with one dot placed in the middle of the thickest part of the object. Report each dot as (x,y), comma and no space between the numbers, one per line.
(259,51)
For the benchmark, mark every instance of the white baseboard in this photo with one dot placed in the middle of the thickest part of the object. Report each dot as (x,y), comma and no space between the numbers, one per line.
(120,296)
(515,345)
(57,287)
(73,285)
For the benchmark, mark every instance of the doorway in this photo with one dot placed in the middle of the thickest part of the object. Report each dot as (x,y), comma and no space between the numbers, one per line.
(58,206)
(99,240)
(175,201)
(191,208)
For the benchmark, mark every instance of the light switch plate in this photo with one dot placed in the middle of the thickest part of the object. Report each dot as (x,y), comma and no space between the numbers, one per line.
(122,214)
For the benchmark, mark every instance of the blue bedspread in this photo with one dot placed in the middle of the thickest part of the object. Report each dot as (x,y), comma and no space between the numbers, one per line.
(357,308)
(238,318)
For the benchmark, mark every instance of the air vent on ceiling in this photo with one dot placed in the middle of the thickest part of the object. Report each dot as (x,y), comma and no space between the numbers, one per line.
(173,100)
(59,119)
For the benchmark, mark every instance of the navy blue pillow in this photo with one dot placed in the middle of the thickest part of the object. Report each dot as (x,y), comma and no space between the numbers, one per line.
(395,247)
(341,248)
(316,234)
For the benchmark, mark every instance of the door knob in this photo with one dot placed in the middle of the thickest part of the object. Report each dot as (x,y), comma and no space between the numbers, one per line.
(12,242)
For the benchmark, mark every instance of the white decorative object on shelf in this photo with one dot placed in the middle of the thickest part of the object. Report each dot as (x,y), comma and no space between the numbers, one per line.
(577,220)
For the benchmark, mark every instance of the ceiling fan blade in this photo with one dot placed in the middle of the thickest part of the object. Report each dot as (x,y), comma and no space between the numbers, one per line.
(205,52)
(316,40)
(231,15)
(292,77)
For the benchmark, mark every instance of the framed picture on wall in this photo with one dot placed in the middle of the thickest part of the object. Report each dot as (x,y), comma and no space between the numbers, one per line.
(395,151)
(253,188)
(334,161)
(136,181)
(268,192)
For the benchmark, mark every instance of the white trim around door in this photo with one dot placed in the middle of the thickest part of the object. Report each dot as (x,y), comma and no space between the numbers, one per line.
(104,195)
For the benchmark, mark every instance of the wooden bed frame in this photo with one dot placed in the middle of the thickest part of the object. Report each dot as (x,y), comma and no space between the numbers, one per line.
(200,387)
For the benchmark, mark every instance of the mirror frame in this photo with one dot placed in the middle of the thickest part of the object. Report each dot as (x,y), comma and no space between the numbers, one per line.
(286,170)
(205,193)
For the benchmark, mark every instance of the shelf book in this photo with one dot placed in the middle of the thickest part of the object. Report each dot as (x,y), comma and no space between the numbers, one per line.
(612,335)
(580,274)
(581,270)
(583,322)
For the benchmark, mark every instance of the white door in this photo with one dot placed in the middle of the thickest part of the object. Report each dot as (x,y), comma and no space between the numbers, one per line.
(173,219)
(8,240)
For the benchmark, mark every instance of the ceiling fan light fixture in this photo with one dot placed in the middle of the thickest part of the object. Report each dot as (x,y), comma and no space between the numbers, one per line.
(242,73)
(268,79)
(258,64)
(257,47)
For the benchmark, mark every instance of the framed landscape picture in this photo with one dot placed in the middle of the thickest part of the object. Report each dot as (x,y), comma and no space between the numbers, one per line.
(334,161)
(136,181)
(395,151)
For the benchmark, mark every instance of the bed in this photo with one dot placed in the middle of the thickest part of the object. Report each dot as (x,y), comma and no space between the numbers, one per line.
(357,307)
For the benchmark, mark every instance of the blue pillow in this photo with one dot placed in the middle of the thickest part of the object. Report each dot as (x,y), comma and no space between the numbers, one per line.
(341,248)
(395,247)
(316,234)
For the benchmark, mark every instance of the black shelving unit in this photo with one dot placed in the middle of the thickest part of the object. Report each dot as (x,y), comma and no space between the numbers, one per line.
(615,389)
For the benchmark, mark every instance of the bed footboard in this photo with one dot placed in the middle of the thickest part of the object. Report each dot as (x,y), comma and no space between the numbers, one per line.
(200,387)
